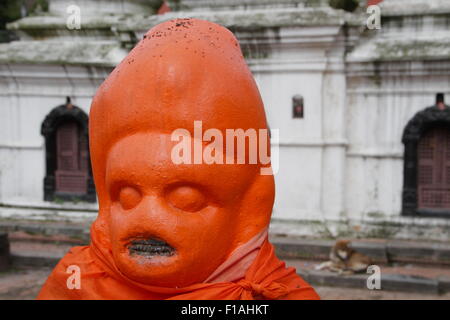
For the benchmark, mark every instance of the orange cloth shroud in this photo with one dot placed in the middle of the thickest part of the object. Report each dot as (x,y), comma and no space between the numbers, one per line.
(266,278)
(168,229)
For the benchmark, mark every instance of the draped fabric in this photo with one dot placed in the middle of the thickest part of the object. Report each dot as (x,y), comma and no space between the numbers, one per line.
(266,277)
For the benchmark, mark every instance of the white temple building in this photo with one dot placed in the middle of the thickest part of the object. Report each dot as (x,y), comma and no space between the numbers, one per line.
(364,130)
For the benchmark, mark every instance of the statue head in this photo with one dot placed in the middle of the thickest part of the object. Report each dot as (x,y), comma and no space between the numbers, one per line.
(162,222)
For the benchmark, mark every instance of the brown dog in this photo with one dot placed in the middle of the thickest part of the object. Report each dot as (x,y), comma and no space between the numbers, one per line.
(344,259)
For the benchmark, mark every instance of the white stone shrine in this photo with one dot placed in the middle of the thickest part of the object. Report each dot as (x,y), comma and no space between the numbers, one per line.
(343,167)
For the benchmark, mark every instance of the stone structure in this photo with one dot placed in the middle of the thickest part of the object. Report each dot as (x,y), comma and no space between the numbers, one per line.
(341,166)
(5,259)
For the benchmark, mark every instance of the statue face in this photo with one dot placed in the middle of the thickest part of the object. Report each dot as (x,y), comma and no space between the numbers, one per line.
(162,223)
(171,225)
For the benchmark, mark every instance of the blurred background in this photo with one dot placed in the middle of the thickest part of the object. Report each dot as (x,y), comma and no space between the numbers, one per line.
(356,89)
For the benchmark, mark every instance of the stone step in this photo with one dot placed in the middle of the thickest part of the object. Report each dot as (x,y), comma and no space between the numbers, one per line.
(37,254)
(21,236)
(405,278)
(69,231)
(381,251)
(27,259)
(388,282)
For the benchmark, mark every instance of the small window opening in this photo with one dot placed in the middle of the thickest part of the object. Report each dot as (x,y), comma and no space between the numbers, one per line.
(297,107)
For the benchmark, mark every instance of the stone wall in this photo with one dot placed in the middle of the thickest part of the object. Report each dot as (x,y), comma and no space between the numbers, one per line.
(341,166)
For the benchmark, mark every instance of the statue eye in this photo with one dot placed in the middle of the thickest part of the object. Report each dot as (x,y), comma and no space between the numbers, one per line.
(129,197)
(187,199)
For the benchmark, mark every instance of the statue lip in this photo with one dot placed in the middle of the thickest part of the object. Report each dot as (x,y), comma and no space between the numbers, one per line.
(150,247)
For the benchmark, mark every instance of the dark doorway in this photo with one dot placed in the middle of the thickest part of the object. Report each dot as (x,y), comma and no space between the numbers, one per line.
(68,169)
(426,171)
(434,169)
(72,159)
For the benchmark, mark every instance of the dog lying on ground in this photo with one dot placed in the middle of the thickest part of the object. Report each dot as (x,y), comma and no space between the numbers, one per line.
(345,260)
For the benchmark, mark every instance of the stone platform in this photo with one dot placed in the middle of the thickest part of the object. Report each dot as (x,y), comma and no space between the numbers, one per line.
(420,268)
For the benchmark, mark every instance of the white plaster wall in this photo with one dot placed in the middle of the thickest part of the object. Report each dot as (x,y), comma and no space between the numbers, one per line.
(94,7)
(378,111)
(310,181)
(341,165)
(298,184)
(277,90)
(28,93)
(298,181)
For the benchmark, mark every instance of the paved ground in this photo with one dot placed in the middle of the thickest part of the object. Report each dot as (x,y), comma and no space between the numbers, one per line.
(25,283)
(328,293)
(40,249)
(42,244)
(398,268)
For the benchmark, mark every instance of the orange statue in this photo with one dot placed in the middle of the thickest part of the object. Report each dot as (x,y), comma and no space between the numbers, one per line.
(170,230)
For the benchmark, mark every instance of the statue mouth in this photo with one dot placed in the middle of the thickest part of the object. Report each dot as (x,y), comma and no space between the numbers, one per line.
(150,248)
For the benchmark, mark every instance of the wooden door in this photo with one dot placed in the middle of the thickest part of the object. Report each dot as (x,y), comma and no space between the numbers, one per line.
(434,169)
(72,153)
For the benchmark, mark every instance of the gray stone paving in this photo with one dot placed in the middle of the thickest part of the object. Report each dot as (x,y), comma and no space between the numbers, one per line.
(25,283)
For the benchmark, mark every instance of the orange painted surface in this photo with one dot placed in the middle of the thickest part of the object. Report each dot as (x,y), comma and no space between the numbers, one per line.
(164,8)
(373,2)
(212,218)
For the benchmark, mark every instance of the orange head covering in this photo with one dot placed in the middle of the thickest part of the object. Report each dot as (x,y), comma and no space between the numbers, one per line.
(168,230)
